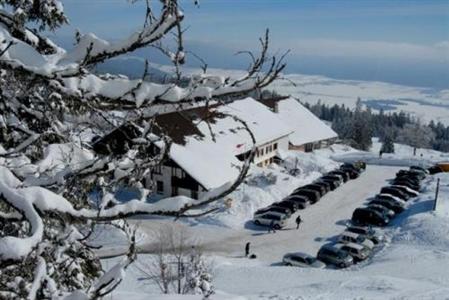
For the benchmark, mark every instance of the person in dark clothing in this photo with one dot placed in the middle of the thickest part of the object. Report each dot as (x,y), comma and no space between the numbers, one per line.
(271,227)
(247,249)
(298,221)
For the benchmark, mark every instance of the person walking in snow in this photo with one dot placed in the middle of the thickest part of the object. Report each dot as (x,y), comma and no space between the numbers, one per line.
(247,249)
(271,227)
(298,221)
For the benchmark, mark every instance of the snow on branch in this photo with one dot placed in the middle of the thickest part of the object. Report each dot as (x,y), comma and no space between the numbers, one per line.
(67,71)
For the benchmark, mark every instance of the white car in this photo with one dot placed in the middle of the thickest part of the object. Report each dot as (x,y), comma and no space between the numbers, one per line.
(357,251)
(269,212)
(351,237)
(268,219)
(303,260)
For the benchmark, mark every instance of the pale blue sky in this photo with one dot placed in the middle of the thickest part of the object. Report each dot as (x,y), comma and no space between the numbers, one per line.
(400,41)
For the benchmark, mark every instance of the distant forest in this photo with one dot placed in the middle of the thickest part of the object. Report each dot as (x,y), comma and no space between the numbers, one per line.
(358,125)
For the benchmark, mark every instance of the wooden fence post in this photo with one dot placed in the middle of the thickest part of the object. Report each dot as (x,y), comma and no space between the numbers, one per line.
(436,195)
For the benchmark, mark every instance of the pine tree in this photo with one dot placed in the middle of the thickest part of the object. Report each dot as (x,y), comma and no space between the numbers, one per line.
(388,144)
(361,129)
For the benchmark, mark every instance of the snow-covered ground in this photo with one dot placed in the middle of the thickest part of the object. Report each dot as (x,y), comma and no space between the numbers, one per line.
(412,265)
(403,155)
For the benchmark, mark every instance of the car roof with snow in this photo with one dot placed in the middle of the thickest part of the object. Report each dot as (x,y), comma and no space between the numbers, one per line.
(350,234)
(351,245)
(392,197)
(299,254)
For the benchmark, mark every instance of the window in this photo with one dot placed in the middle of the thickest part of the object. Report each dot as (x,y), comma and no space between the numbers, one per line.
(160,187)
(298,259)
(309,147)
(261,152)
(194,194)
(157,169)
(267,149)
(275,146)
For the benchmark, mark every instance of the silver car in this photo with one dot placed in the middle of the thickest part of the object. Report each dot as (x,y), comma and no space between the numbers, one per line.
(268,219)
(299,259)
(351,237)
(357,251)
(367,232)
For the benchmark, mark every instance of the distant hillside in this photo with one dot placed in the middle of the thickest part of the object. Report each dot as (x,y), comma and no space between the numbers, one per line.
(133,67)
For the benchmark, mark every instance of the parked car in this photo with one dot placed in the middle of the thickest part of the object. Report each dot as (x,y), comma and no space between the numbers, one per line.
(360,165)
(353,171)
(266,220)
(312,195)
(365,216)
(338,178)
(334,256)
(368,232)
(283,210)
(395,192)
(324,184)
(435,170)
(331,182)
(335,180)
(391,197)
(410,192)
(411,173)
(299,259)
(389,213)
(351,237)
(357,251)
(407,183)
(418,168)
(302,201)
(293,206)
(345,174)
(315,187)
(392,204)
(271,212)
(411,179)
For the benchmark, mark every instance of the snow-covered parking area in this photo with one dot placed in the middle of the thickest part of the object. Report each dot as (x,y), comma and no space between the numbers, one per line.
(321,221)
(413,264)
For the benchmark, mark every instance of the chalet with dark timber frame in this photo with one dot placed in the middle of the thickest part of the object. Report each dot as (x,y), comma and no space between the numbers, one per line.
(209,146)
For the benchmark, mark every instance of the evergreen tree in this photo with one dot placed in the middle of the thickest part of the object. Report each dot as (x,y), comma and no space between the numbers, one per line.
(388,144)
(361,130)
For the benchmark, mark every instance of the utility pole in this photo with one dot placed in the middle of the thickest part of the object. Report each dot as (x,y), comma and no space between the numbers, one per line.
(436,195)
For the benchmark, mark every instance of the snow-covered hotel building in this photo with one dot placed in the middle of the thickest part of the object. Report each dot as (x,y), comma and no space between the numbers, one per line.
(309,132)
(209,145)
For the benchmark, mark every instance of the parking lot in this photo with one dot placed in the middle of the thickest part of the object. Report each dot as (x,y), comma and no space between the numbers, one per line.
(321,222)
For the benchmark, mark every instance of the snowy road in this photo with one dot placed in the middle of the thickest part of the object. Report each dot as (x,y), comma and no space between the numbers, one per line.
(321,222)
